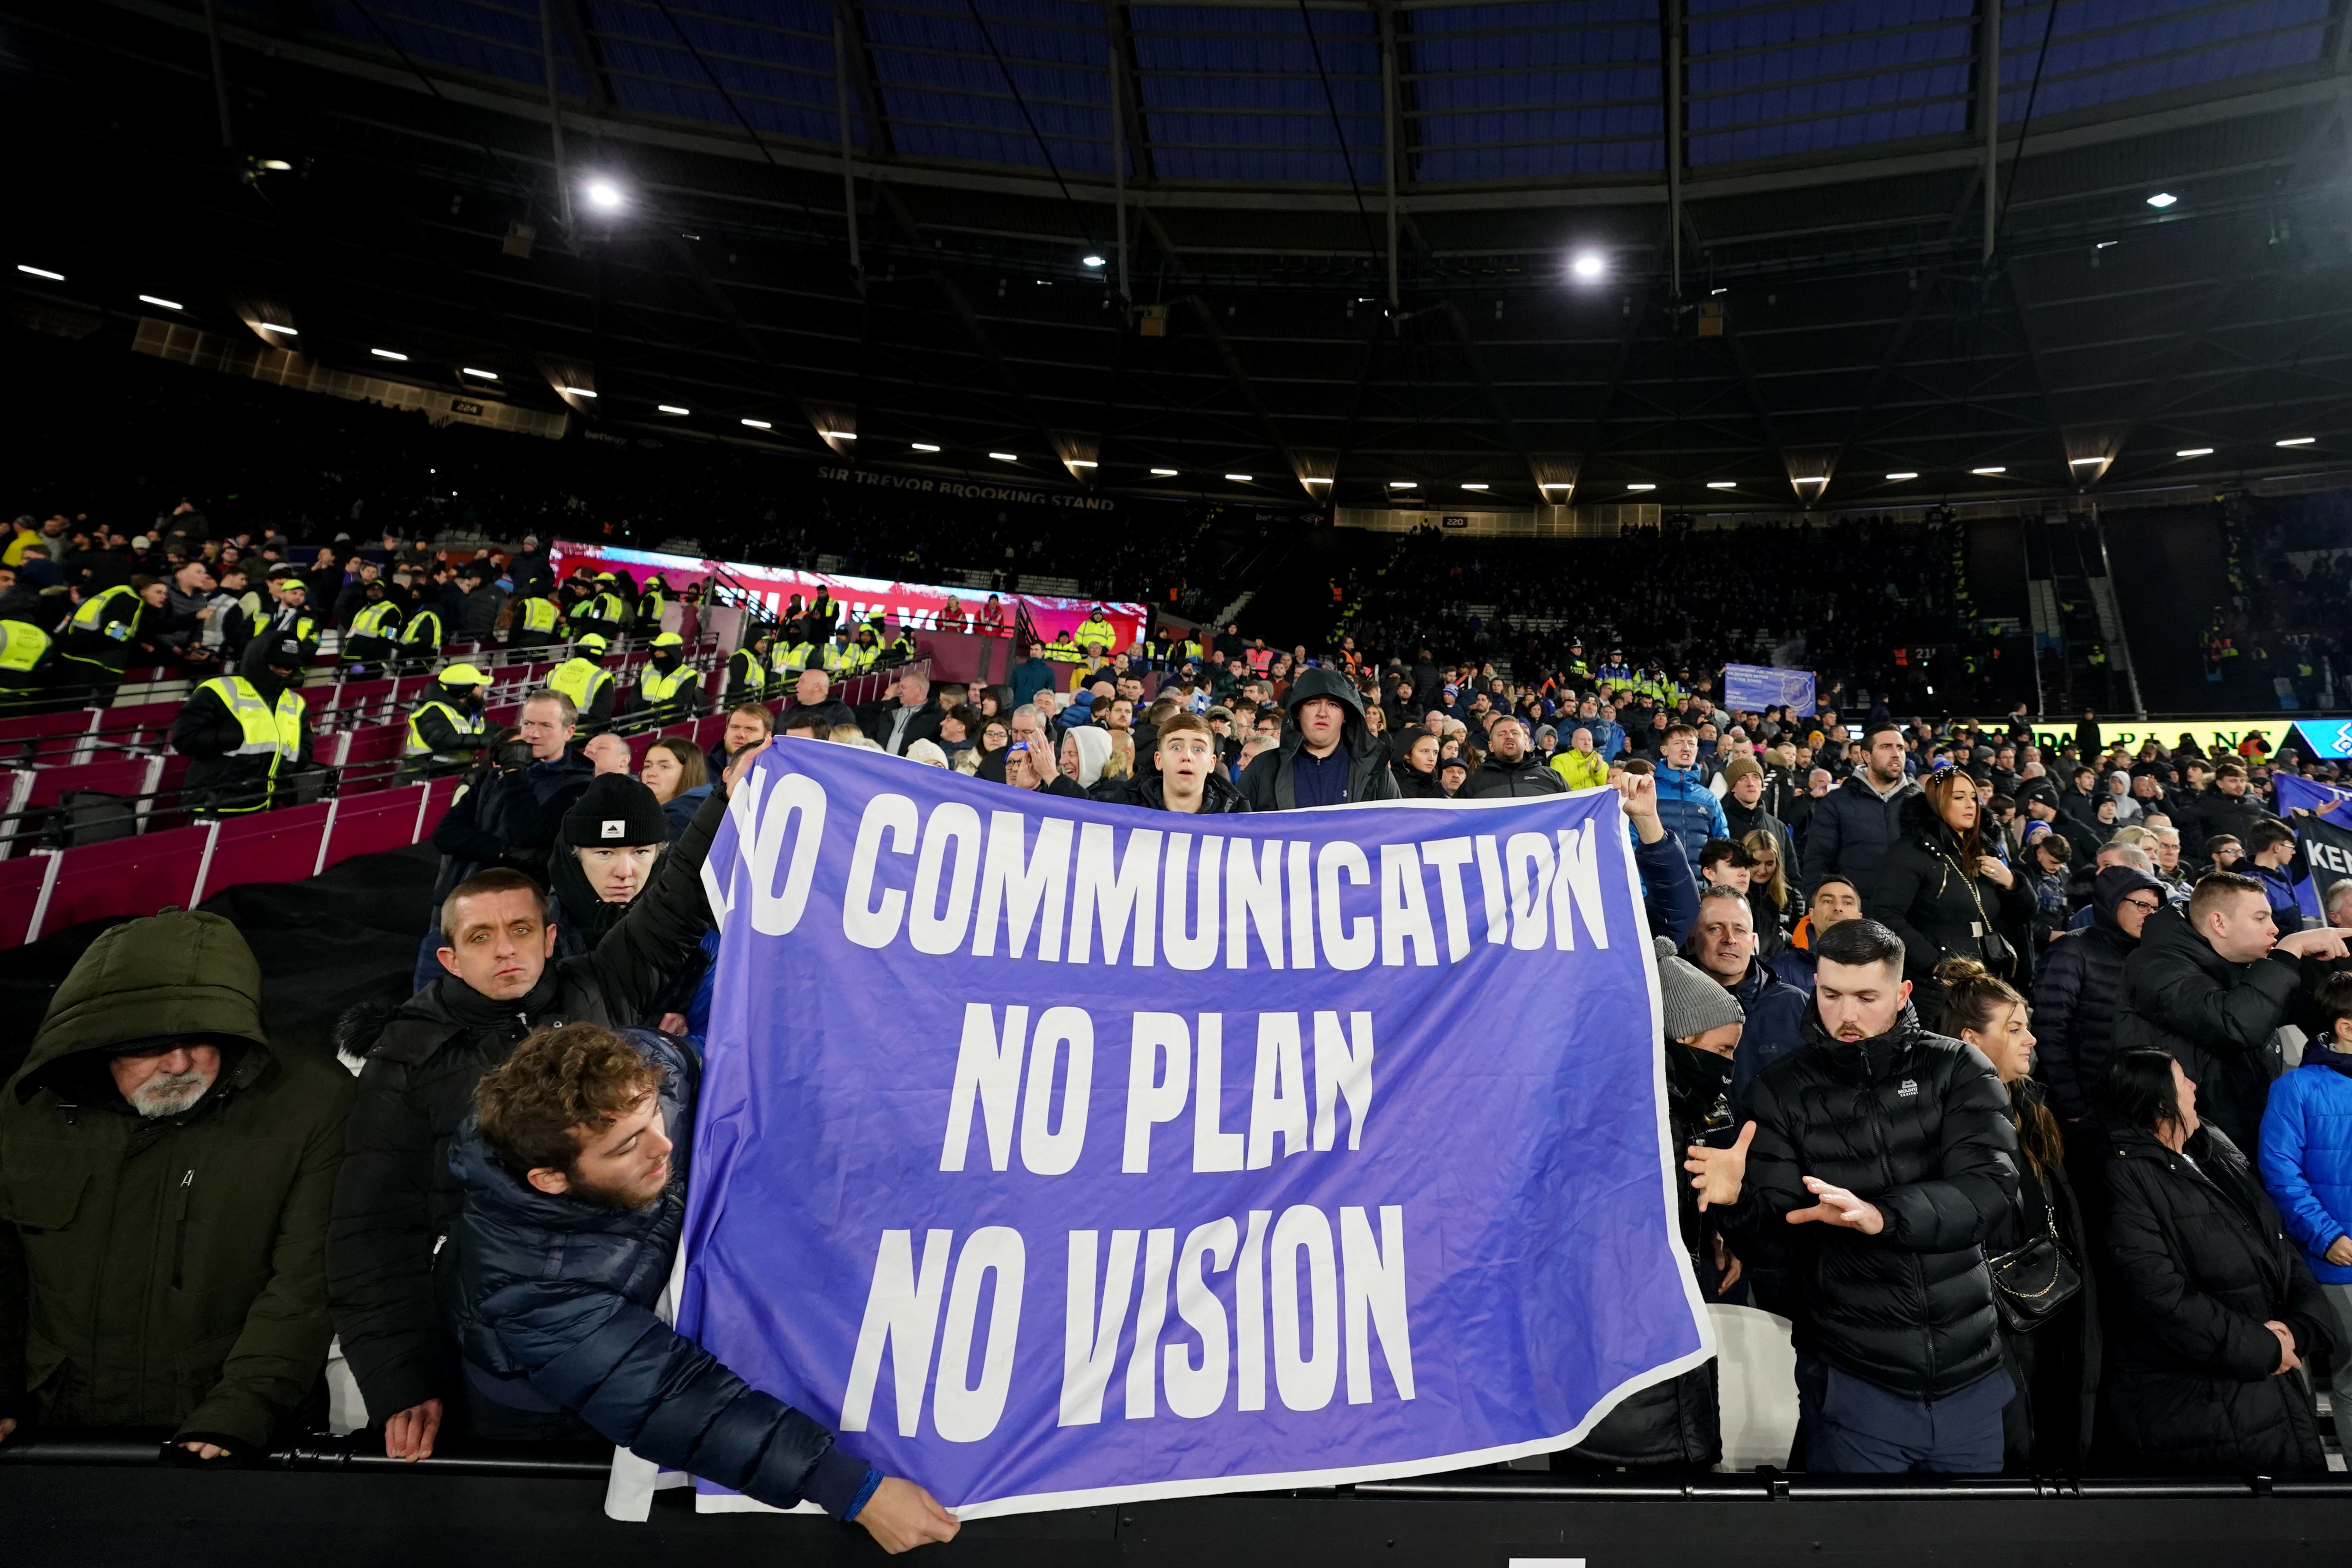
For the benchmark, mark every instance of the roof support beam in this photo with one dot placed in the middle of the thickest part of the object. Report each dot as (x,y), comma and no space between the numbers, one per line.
(1223,349)
(1988,113)
(841,25)
(1671,18)
(1130,94)
(1392,147)
(591,59)
(879,143)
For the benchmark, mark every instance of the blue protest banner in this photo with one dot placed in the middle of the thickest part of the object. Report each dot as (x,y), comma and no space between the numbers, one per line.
(2305,795)
(1058,1154)
(1753,688)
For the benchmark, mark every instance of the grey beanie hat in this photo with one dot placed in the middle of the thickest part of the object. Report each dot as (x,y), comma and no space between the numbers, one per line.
(1694,1003)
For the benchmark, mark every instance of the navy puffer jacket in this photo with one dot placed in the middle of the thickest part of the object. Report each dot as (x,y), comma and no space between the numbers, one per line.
(552,1296)
(2074,997)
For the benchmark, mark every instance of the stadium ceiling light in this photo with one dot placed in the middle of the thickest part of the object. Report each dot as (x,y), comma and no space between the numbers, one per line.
(1308,480)
(1005,457)
(1996,468)
(1083,463)
(670,408)
(759,424)
(276,165)
(176,305)
(838,435)
(1588,267)
(605,194)
(2161,200)
(1722,484)
(1639,486)
(576,392)
(1474,486)
(281,331)
(1242,479)
(2194,452)
(1712,292)
(389,354)
(922,446)
(41,272)
(2083,462)
(485,374)
(1552,487)
(1405,484)
(1903,475)
(1163,473)
(1092,260)
(2298,441)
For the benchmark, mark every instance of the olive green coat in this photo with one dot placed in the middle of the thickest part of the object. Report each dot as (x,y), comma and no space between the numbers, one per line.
(169,1273)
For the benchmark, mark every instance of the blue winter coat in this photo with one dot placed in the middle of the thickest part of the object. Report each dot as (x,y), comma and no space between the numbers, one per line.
(1688,810)
(2306,1155)
(551,1300)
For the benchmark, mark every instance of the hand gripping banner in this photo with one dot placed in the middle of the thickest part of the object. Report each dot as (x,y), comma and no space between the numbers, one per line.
(1058,1154)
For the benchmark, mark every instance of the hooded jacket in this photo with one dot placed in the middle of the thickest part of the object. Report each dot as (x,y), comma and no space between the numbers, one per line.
(396,1199)
(2308,1156)
(1219,795)
(165,1272)
(2074,997)
(1271,783)
(2214,1016)
(549,1298)
(1851,830)
(2197,1263)
(1917,1124)
(1688,809)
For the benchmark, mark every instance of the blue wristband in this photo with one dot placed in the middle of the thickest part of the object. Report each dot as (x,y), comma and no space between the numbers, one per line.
(864,1491)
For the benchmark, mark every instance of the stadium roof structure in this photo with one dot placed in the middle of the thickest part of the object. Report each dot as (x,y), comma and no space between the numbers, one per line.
(1726,254)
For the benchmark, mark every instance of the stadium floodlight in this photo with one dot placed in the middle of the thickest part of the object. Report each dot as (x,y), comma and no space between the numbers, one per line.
(1163,473)
(670,408)
(1405,484)
(281,331)
(1639,484)
(1555,486)
(1474,486)
(2298,441)
(758,424)
(576,392)
(1903,475)
(390,354)
(1986,473)
(158,299)
(1588,267)
(1005,457)
(605,195)
(838,435)
(2161,200)
(276,165)
(922,446)
(2194,452)
(41,272)
(1243,479)
(484,375)
(1083,463)
(1723,484)
(1092,260)
(2083,462)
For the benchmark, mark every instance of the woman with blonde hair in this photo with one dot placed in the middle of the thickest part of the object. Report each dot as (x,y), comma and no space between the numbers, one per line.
(1770,902)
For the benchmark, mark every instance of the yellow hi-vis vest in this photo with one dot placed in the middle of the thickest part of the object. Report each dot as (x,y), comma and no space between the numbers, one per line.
(580,679)
(368,622)
(93,610)
(539,615)
(1100,632)
(838,658)
(749,674)
(791,660)
(658,688)
(462,723)
(275,732)
(22,643)
(425,631)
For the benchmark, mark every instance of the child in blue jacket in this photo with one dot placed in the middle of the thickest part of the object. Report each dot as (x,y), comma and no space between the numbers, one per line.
(2307,1159)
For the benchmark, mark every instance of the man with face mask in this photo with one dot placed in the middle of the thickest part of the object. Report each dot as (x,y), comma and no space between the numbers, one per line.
(1877,1159)
(164,1180)
(669,690)
(396,1199)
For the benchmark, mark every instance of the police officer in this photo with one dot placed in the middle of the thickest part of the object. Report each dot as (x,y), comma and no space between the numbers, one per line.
(244,732)
(669,690)
(446,729)
(374,633)
(583,679)
(747,666)
(538,619)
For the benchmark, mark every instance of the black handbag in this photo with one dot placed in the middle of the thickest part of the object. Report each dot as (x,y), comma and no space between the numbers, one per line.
(1998,958)
(2032,1282)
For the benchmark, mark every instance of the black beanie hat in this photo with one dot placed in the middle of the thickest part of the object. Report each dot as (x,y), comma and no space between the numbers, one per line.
(614,811)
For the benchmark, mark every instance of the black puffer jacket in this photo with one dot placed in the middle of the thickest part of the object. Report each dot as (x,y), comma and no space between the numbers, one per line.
(1850,831)
(1927,894)
(1219,795)
(1675,1423)
(2196,1263)
(1499,780)
(551,1296)
(395,1198)
(2214,1016)
(2074,998)
(1270,784)
(1917,1124)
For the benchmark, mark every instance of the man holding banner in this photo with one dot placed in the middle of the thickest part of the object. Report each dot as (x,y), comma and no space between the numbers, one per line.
(1058,1153)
